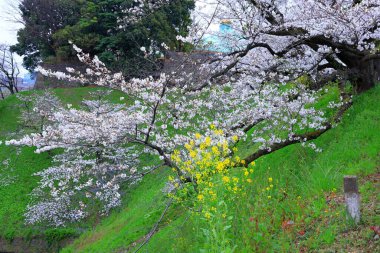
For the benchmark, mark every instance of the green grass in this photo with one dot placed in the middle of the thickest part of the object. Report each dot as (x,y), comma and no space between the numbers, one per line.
(14,196)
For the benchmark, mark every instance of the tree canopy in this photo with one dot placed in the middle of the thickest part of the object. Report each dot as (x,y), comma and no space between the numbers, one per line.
(99,29)
(283,40)
(41,19)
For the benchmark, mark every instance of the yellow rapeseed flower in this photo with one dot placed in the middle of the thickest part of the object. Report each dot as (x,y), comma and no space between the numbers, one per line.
(193,154)
(207,156)
(215,150)
(188,146)
(218,132)
(226,179)
(249,180)
(212,126)
(200,197)
(207,215)
(270,180)
(220,166)
(225,145)
(235,138)
(198,136)
(208,141)
(176,158)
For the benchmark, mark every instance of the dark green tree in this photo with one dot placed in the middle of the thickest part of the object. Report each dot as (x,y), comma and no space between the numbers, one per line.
(97,32)
(42,18)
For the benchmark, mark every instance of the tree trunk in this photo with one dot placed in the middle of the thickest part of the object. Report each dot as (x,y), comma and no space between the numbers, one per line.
(365,74)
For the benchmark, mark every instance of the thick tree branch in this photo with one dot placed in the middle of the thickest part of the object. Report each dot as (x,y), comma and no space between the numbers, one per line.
(299,137)
(269,11)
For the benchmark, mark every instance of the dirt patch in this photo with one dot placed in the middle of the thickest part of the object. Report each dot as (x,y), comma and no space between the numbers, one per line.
(33,245)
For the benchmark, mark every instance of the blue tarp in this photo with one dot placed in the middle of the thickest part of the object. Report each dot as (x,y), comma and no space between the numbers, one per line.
(217,42)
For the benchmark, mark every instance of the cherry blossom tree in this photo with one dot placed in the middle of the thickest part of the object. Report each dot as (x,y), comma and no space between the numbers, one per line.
(282,40)
(36,110)
(102,141)
(93,163)
(256,86)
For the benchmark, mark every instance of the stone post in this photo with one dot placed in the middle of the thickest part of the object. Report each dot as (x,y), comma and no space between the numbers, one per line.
(352,197)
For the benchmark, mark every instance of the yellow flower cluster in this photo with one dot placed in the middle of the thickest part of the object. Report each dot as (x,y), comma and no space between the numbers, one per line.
(269,188)
(215,174)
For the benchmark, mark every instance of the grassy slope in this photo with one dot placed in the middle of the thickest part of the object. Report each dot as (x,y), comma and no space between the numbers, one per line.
(353,147)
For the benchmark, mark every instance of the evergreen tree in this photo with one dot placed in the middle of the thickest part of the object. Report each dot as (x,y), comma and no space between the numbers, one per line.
(41,19)
(95,29)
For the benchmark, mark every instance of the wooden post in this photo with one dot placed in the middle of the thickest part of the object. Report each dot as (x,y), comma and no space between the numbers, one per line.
(352,197)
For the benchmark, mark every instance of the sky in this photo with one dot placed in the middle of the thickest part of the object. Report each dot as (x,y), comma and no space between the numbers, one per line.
(203,10)
(8,29)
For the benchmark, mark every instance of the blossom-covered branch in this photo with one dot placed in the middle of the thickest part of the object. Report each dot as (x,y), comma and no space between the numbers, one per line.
(283,40)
